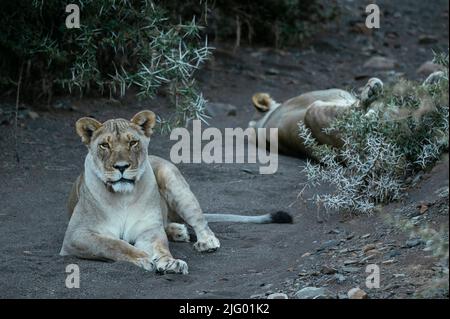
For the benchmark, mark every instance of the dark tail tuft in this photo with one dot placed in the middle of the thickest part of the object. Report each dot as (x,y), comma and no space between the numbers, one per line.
(281,218)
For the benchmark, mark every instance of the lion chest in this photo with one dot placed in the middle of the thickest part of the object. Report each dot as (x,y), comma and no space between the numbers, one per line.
(127,220)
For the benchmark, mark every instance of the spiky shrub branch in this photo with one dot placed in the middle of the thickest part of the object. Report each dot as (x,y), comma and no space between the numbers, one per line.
(120,44)
(405,133)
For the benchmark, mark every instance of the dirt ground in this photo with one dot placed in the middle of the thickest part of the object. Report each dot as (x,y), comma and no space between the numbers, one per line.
(254,260)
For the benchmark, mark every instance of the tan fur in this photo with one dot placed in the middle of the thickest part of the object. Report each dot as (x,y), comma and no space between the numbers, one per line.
(316,109)
(123,205)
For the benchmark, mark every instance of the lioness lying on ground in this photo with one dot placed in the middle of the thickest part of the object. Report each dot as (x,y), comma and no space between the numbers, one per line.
(317,110)
(125,204)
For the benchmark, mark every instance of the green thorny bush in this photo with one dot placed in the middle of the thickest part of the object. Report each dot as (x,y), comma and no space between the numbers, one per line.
(381,153)
(120,44)
(276,23)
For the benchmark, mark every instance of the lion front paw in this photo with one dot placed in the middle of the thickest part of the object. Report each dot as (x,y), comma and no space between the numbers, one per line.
(371,90)
(177,232)
(209,244)
(171,266)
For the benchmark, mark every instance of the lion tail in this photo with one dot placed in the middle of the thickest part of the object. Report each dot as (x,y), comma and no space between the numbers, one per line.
(279,217)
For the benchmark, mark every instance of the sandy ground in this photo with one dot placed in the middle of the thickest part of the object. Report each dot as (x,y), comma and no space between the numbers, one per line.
(254,260)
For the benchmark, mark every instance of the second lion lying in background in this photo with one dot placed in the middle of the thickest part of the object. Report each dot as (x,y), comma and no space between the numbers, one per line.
(317,110)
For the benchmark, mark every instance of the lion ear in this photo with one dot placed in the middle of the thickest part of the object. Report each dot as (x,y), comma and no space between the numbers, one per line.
(262,101)
(86,126)
(146,120)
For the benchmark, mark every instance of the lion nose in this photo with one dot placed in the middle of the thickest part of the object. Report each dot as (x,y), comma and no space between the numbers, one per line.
(121,167)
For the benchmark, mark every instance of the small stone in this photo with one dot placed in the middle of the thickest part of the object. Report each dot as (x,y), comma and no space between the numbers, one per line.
(33,115)
(373,252)
(313,293)
(215,109)
(357,293)
(340,278)
(327,270)
(350,236)
(423,208)
(427,39)
(257,296)
(328,244)
(272,71)
(380,63)
(334,231)
(350,262)
(351,269)
(368,247)
(413,242)
(307,254)
(365,236)
(399,275)
(388,262)
(277,295)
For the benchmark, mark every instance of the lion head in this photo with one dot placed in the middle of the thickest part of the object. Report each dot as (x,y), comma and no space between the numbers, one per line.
(118,148)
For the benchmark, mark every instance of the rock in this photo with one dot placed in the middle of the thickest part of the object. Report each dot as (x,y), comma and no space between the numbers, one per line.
(350,236)
(340,278)
(272,71)
(423,208)
(307,254)
(373,252)
(380,63)
(365,236)
(429,67)
(334,231)
(313,293)
(357,293)
(327,270)
(351,269)
(427,39)
(413,242)
(368,247)
(393,253)
(328,244)
(33,115)
(350,262)
(277,295)
(215,109)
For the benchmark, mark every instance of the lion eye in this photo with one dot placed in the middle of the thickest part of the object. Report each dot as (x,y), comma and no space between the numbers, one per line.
(104,146)
(133,143)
